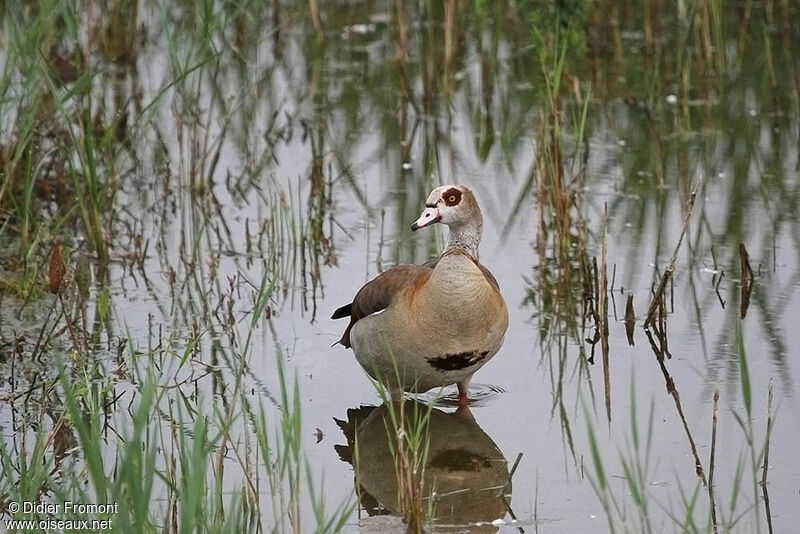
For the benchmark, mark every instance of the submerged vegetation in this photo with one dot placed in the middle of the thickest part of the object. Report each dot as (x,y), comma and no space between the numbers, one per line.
(184,186)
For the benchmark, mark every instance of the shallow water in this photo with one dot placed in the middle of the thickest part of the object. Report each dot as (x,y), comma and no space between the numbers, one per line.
(305,161)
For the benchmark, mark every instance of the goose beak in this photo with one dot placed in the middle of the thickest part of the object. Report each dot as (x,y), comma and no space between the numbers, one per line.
(429,216)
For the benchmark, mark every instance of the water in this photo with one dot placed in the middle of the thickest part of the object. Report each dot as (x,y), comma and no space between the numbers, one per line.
(305,160)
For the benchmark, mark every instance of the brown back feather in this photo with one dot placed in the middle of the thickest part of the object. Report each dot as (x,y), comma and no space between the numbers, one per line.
(488,275)
(378,294)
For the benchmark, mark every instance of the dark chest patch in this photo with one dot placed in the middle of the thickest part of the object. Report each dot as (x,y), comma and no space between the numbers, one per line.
(456,361)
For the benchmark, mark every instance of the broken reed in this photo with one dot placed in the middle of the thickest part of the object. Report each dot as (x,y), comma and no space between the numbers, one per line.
(595,306)
(658,297)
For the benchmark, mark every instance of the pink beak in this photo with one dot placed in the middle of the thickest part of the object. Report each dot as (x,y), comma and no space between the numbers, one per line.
(429,216)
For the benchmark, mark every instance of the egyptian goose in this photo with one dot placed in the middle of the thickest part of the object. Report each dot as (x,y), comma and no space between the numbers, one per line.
(417,327)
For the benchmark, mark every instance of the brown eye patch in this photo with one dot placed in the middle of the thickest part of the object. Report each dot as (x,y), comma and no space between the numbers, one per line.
(452,196)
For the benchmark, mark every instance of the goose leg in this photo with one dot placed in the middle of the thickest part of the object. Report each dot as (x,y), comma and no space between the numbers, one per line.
(463,386)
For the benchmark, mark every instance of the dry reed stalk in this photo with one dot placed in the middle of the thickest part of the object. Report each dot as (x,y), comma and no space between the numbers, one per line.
(659,294)
(672,390)
(764,491)
(315,18)
(630,319)
(603,313)
(746,278)
(714,413)
(450,8)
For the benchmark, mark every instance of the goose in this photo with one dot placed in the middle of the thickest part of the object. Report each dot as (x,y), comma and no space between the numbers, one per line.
(418,327)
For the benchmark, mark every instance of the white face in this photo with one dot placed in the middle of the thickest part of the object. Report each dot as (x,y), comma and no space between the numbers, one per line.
(443,205)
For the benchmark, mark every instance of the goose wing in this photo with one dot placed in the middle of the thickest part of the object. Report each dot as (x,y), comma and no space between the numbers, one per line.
(378,294)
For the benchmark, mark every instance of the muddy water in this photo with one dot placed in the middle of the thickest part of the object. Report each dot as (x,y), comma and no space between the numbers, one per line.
(307,163)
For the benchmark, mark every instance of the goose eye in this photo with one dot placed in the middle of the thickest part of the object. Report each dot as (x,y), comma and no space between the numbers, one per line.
(451,197)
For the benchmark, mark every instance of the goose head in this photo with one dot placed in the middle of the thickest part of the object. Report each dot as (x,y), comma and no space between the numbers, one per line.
(456,207)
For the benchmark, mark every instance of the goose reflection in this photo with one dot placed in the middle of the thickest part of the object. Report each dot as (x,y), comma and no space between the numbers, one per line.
(466,480)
